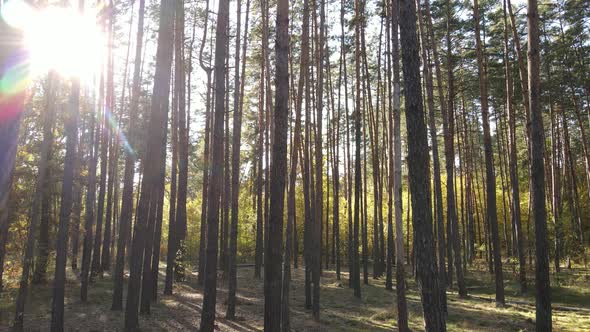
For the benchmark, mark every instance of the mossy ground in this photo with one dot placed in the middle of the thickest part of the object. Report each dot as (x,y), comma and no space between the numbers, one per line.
(340,310)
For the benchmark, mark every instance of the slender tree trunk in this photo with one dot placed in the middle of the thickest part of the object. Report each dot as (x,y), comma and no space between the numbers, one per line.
(410,255)
(336,175)
(326,247)
(129,173)
(96,268)
(419,174)
(206,157)
(359,9)
(389,143)
(273,256)
(513,160)
(259,184)
(175,142)
(572,184)
(464,232)
(438,198)
(184,104)
(236,143)
(151,181)
(489,161)
(469,197)
(210,296)
(77,199)
(444,111)
(225,195)
(89,206)
(503,165)
(521,70)
(348,159)
(450,161)
(543,293)
(105,259)
(307,185)
(157,237)
(291,209)
(317,229)
(396,181)
(375,164)
(266,96)
(364,217)
(71,129)
(556,187)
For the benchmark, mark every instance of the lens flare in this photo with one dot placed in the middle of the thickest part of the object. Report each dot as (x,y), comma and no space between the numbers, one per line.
(61,39)
(14,61)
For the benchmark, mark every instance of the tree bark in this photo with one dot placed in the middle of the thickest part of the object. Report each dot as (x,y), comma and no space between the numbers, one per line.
(359,9)
(210,296)
(438,199)
(96,268)
(206,154)
(450,161)
(89,206)
(278,173)
(489,161)
(105,259)
(175,142)
(156,140)
(236,143)
(396,179)
(71,129)
(513,161)
(129,173)
(79,163)
(543,288)
(419,173)
(259,180)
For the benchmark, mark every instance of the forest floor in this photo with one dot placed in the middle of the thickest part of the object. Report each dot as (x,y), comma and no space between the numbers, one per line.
(340,310)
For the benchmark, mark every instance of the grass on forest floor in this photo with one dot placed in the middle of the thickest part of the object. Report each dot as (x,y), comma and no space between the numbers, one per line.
(340,310)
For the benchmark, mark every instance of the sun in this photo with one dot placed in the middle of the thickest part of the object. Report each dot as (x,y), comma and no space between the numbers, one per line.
(59,38)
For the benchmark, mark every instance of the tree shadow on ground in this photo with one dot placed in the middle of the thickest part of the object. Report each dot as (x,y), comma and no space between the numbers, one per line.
(339,310)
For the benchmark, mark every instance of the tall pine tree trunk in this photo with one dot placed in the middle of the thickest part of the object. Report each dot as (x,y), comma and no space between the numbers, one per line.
(359,9)
(90,205)
(450,161)
(129,173)
(291,208)
(105,259)
(206,153)
(239,84)
(492,217)
(419,173)
(542,283)
(513,163)
(151,181)
(273,255)
(71,129)
(210,289)
(438,198)
(400,278)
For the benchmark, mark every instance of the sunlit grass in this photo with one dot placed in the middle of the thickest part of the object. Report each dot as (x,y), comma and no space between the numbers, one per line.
(340,311)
